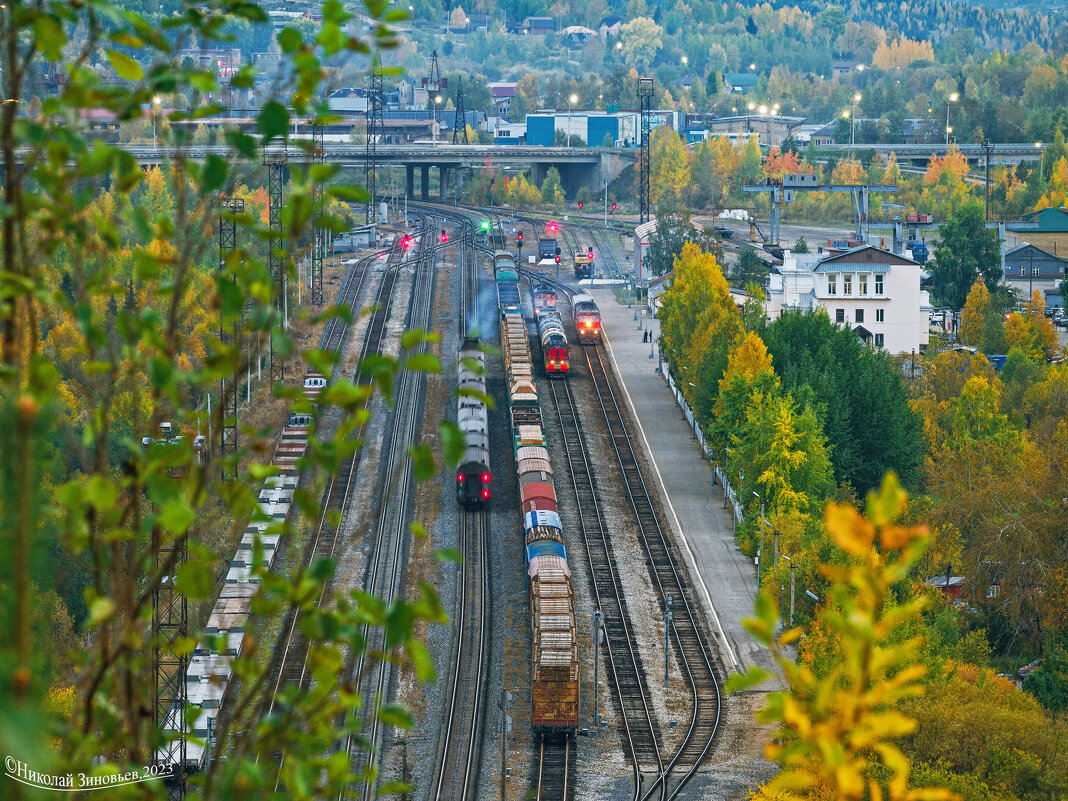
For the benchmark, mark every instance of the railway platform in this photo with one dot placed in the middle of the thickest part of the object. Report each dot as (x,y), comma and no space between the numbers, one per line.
(692,501)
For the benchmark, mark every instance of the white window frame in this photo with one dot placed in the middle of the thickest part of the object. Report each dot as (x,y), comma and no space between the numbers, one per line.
(832,283)
(880,283)
(862,284)
(847,284)
(879,341)
(880,316)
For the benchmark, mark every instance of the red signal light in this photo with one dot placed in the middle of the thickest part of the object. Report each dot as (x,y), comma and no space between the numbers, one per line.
(590,254)
(444,236)
(519,236)
(460,477)
(485,478)
(613,207)
(580,204)
(557,259)
(485,494)
(406,242)
(552,228)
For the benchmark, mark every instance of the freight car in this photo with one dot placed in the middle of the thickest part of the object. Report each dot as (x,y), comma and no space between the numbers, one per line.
(555,679)
(587,319)
(473,476)
(553,344)
(507,279)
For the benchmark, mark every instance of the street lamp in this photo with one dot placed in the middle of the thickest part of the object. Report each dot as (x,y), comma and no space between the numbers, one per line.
(572,98)
(156,101)
(749,110)
(853,121)
(1041,161)
(437,118)
(953,98)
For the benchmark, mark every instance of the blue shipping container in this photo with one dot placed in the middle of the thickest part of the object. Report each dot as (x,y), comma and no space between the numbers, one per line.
(545,548)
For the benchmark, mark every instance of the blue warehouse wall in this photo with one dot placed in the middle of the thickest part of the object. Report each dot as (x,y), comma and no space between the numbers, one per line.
(540,130)
(598,127)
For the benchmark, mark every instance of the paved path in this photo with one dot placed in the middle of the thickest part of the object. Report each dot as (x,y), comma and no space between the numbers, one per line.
(694,504)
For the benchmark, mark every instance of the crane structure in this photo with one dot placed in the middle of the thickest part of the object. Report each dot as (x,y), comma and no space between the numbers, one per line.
(782,191)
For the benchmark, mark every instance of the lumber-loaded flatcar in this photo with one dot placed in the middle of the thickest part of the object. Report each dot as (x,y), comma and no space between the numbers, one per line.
(555,678)
(473,476)
(587,319)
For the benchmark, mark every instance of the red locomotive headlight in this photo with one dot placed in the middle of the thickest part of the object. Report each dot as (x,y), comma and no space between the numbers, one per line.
(485,478)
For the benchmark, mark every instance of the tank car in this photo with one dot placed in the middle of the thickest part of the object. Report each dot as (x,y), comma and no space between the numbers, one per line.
(553,344)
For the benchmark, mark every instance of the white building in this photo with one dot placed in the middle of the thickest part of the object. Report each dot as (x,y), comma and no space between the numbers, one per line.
(874,292)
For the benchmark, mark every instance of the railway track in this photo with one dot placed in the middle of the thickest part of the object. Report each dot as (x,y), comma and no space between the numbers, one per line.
(692,649)
(291,663)
(556,771)
(461,738)
(384,573)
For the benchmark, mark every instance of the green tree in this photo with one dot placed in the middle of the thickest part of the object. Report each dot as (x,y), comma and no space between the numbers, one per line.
(749,268)
(673,230)
(801,245)
(641,39)
(551,190)
(966,249)
(860,393)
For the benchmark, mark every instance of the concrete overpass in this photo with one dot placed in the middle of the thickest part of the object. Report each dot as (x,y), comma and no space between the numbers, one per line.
(1012,153)
(578,166)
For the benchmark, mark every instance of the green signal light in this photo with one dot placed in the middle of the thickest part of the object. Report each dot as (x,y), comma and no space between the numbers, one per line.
(485,225)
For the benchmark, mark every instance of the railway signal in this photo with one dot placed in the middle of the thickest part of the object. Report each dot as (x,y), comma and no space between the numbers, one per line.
(580,204)
(552,228)
(485,225)
(406,242)
(444,237)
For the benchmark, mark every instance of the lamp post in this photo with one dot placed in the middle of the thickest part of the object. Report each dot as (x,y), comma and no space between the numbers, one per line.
(953,98)
(572,98)
(1041,161)
(853,122)
(437,118)
(762,111)
(987,147)
(156,101)
(749,111)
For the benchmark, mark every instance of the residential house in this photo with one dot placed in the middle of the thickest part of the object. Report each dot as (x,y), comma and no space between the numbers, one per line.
(502,94)
(223,62)
(576,36)
(1046,228)
(347,101)
(840,68)
(824,135)
(1030,269)
(874,292)
(739,83)
(609,26)
(536,26)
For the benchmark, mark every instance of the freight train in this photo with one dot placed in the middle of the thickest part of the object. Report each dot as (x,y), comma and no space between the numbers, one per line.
(473,476)
(554,692)
(587,319)
(544,300)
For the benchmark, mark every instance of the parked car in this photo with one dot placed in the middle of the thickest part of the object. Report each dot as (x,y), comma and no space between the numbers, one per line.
(724,231)
(1028,669)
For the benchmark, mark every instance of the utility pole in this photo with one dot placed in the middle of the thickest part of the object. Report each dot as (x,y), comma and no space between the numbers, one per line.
(598,637)
(228,400)
(669,616)
(506,729)
(791,561)
(987,147)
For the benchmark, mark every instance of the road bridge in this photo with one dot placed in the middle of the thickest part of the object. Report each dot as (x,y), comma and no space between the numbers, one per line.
(578,166)
(1010,153)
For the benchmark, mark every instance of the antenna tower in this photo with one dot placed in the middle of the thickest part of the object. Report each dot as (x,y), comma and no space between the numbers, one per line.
(375,129)
(460,121)
(277,164)
(319,245)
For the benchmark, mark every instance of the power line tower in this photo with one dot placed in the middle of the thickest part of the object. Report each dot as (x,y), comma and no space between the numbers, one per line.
(228,207)
(277,164)
(319,245)
(169,625)
(645,99)
(461,116)
(375,128)
(433,84)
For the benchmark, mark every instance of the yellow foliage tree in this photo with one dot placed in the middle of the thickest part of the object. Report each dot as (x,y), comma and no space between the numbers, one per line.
(669,164)
(901,52)
(973,317)
(835,730)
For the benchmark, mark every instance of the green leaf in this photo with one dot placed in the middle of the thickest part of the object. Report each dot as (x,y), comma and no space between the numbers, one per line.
(422,462)
(746,681)
(273,120)
(424,363)
(394,788)
(125,67)
(213,174)
(421,660)
(289,39)
(194,580)
(449,555)
(100,609)
(452,443)
(395,715)
(50,36)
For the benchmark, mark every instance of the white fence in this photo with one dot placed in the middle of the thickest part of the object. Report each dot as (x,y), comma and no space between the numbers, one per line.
(699,437)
